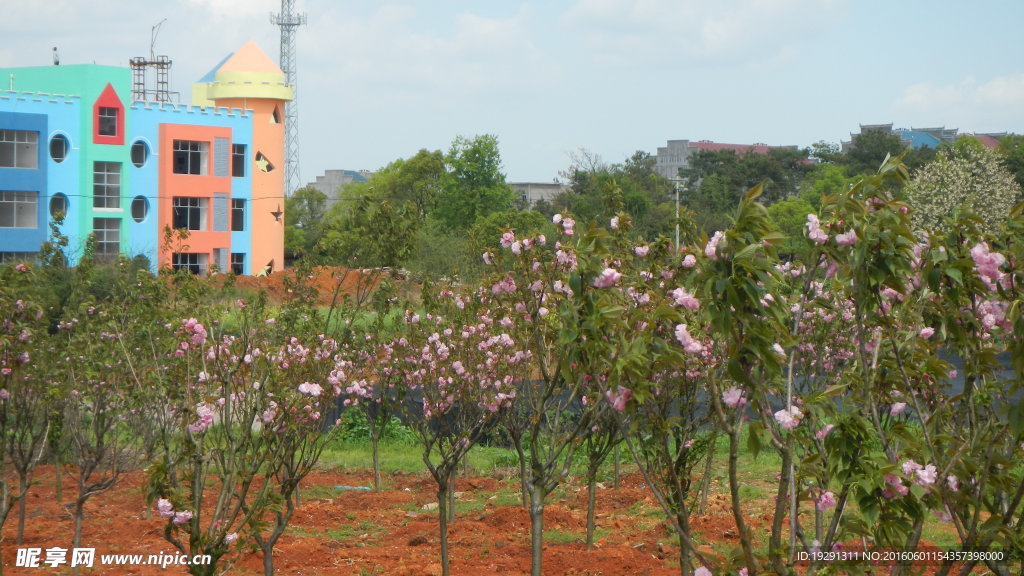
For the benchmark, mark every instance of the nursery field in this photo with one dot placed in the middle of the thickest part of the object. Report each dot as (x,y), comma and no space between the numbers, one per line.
(340,530)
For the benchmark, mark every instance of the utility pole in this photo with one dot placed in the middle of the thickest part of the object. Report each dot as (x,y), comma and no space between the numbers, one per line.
(288,20)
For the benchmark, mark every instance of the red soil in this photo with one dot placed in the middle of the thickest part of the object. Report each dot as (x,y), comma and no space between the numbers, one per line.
(359,532)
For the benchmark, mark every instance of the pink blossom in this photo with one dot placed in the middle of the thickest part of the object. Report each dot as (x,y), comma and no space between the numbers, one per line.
(488,259)
(689,261)
(909,467)
(165,508)
(556,219)
(953,482)
(847,238)
(231,538)
(619,397)
(897,408)
(206,415)
(702,571)
(896,485)
(711,248)
(614,223)
(733,397)
(690,344)
(682,297)
(927,476)
(926,332)
(987,264)
(814,231)
(507,239)
(310,388)
(641,251)
(182,517)
(821,434)
(567,224)
(517,247)
(789,419)
(825,501)
(608,278)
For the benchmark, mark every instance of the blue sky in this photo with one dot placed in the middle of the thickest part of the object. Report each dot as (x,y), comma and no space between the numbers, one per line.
(380,80)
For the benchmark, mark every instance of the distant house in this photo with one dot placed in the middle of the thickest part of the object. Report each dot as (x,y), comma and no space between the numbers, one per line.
(331,182)
(675,155)
(530,192)
(909,137)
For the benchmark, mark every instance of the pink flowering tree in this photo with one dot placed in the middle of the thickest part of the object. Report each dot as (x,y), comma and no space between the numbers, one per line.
(460,367)
(564,301)
(25,402)
(248,425)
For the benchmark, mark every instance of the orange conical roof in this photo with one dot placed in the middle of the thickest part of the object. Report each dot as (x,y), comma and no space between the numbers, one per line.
(250,58)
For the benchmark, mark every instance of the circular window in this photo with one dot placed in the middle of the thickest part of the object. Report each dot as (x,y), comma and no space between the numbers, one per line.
(58,205)
(59,147)
(140,153)
(140,208)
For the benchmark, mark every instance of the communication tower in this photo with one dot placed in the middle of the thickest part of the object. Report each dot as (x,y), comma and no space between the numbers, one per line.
(289,21)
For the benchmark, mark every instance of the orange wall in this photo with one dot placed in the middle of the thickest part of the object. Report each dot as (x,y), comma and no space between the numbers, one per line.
(267,187)
(190,185)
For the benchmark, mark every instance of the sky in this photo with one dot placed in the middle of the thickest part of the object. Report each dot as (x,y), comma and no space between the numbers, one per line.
(378,81)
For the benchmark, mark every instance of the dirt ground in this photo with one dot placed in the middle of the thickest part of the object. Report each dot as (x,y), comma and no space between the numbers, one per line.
(332,283)
(356,532)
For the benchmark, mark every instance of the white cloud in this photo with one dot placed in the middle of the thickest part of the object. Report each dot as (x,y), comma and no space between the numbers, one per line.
(995,105)
(697,32)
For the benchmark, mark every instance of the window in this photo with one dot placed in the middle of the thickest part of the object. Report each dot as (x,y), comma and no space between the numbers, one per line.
(238,160)
(189,213)
(140,153)
(190,157)
(59,148)
(107,121)
(106,185)
(58,205)
(190,261)
(19,149)
(17,257)
(140,208)
(18,209)
(108,237)
(238,263)
(237,215)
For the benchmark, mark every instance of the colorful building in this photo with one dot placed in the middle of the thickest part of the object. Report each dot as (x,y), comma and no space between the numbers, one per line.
(72,142)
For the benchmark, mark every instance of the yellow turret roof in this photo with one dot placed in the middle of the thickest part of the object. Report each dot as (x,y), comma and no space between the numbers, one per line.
(248,73)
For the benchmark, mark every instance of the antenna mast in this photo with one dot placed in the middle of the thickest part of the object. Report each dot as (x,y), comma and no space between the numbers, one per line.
(161,66)
(288,20)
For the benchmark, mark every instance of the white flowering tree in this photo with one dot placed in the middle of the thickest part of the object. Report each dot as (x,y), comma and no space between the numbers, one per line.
(968,177)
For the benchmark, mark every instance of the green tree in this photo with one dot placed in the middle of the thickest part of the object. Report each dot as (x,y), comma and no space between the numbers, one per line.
(305,210)
(789,217)
(375,223)
(1012,149)
(474,185)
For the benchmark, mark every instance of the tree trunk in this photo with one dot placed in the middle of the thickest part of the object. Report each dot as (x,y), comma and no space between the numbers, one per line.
(443,490)
(374,444)
(536,529)
(268,560)
(76,537)
(616,469)
(737,512)
(776,557)
(23,490)
(591,504)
